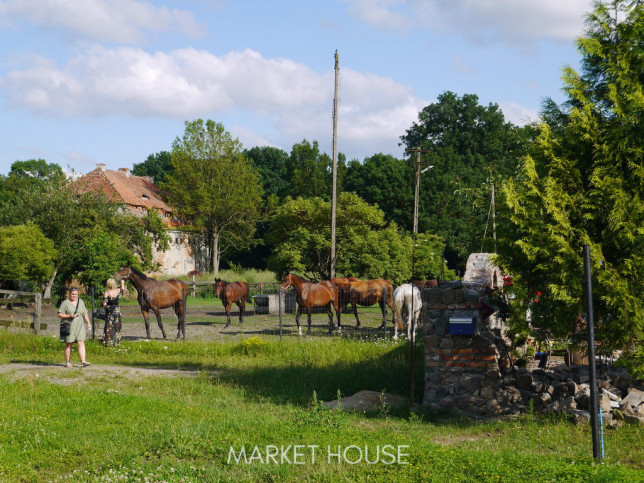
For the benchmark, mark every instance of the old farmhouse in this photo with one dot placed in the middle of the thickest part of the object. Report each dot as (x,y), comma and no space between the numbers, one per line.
(139,194)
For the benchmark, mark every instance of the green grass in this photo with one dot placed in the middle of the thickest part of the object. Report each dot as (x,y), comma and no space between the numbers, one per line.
(263,393)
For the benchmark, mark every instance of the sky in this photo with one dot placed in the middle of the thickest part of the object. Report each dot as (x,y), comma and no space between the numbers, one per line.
(112,81)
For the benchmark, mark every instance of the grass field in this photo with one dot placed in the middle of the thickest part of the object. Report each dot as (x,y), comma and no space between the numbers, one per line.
(64,425)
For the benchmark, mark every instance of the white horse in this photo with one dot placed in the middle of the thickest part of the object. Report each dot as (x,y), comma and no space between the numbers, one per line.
(407,297)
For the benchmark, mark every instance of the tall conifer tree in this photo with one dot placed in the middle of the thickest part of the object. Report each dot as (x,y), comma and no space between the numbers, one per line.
(583,183)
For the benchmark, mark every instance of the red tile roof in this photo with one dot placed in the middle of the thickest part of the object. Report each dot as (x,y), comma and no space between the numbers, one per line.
(137,192)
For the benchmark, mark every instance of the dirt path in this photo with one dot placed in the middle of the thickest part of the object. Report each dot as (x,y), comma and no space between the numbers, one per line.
(59,374)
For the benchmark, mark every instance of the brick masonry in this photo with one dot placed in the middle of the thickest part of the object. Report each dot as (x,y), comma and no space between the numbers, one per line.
(466,373)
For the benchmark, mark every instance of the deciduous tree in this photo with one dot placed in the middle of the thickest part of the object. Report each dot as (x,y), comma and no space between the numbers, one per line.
(214,187)
(471,147)
(25,254)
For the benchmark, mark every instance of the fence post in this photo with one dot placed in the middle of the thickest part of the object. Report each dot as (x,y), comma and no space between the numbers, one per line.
(37,313)
(194,287)
(93,291)
(280,297)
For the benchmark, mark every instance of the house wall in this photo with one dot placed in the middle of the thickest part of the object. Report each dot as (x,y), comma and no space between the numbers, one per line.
(185,254)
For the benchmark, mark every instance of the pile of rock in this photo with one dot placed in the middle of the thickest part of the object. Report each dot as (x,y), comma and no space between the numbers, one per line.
(466,368)
(567,389)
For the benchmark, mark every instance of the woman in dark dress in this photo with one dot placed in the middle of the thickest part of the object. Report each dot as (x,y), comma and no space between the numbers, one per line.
(112,332)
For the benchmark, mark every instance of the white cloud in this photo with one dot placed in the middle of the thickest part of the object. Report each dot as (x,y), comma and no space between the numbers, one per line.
(518,114)
(381,13)
(512,21)
(460,65)
(122,21)
(188,83)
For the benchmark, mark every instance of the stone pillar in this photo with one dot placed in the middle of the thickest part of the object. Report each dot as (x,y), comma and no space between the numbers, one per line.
(462,372)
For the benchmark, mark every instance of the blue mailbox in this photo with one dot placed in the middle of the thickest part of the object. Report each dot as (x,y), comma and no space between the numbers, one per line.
(462,325)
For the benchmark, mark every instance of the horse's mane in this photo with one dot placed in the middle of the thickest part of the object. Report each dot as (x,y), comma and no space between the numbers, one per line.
(300,277)
(142,275)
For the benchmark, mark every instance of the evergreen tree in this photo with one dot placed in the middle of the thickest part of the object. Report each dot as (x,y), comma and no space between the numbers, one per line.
(583,183)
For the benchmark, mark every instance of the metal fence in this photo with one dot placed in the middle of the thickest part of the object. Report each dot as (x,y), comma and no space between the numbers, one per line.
(268,311)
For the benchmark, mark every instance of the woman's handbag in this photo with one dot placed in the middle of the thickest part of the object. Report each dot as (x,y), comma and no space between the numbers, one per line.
(65,328)
(100,313)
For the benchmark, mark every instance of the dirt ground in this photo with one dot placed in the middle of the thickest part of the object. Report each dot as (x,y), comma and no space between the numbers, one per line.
(208,323)
(59,374)
(204,323)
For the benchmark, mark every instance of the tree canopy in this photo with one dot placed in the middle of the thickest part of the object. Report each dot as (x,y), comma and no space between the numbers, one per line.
(72,221)
(25,254)
(471,147)
(157,166)
(367,246)
(214,187)
(386,182)
(583,183)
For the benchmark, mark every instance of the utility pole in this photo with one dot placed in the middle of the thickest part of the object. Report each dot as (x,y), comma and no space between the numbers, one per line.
(335,163)
(493,220)
(417,182)
(413,261)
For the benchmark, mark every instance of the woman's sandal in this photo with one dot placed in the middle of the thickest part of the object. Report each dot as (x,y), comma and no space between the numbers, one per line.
(85,364)
(69,364)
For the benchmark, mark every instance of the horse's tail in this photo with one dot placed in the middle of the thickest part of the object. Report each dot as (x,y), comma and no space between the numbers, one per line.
(248,299)
(184,297)
(397,312)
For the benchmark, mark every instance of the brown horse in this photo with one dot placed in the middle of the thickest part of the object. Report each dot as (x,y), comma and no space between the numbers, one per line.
(366,293)
(229,293)
(157,294)
(309,295)
(425,283)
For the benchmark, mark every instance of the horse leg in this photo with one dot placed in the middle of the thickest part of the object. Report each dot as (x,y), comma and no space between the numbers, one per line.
(397,319)
(242,305)
(184,296)
(228,306)
(146,318)
(157,312)
(329,312)
(297,319)
(309,310)
(355,312)
(381,302)
(178,310)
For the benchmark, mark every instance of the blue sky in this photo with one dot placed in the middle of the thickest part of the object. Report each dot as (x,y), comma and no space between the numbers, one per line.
(112,81)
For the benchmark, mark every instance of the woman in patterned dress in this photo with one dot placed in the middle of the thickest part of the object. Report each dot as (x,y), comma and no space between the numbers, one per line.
(112,331)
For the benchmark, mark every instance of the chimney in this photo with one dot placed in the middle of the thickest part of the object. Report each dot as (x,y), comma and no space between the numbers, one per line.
(125,171)
(100,166)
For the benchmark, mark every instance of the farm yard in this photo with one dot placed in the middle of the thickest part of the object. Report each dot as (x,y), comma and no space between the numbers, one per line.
(512,236)
(182,411)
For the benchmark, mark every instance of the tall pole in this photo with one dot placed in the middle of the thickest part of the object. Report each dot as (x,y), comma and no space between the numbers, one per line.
(335,163)
(493,220)
(417,184)
(590,325)
(416,191)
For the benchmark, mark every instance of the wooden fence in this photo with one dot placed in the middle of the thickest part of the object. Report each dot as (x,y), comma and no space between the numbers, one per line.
(12,297)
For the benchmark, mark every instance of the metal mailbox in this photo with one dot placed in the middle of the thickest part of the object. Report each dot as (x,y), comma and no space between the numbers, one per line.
(462,325)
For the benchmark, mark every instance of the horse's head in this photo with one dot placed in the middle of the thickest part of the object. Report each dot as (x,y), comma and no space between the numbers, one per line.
(287,281)
(124,273)
(219,286)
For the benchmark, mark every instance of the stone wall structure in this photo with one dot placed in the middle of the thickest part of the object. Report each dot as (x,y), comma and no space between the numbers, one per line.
(466,374)
(462,371)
